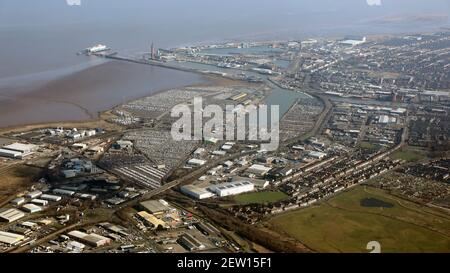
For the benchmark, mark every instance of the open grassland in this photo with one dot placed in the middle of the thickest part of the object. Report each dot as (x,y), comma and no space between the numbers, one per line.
(410,154)
(15,179)
(342,224)
(260,197)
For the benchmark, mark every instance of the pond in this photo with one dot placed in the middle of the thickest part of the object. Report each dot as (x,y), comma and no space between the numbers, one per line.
(375,203)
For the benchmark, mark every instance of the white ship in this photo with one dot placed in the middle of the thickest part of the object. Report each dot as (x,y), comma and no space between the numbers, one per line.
(96,49)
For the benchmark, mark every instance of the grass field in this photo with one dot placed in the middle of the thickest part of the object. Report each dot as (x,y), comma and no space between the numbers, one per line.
(369,146)
(342,225)
(409,154)
(260,197)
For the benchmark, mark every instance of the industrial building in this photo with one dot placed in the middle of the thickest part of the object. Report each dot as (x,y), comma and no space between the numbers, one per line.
(40,202)
(196,192)
(75,246)
(259,170)
(10,238)
(190,243)
(18,150)
(33,194)
(260,184)
(219,153)
(152,220)
(385,119)
(114,201)
(11,215)
(10,154)
(211,140)
(52,198)
(156,207)
(18,201)
(31,208)
(317,155)
(91,239)
(232,188)
(63,192)
(207,228)
(196,162)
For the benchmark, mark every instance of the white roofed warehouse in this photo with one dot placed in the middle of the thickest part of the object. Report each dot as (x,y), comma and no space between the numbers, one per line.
(259,170)
(10,238)
(91,239)
(232,188)
(196,192)
(11,215)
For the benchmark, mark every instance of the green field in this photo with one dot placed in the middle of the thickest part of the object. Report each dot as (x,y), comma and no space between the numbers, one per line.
(369,146)
(260,197)
(409,154)
(341,224)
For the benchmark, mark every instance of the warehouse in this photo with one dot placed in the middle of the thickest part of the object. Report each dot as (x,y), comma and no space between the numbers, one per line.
(27,224)
(40,202)
(196,162)
(79,146)
(10,154)
(25,149)
(10,238)
(232,188)
(155,207)
(75,246)
(52,198)
(211,140)
(33,194)
(200,151)
(63,192)
(207,228)
(31,208)
(317,155)
(151,220)
(190,243)
(384,119)
(18,201)
(260,184)
(227,147)
(196,192)
(258,170)
(91,239)
(11,215)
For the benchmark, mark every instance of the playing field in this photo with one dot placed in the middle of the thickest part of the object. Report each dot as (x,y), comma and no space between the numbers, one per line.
(342,224)
(260,197)
(409,154)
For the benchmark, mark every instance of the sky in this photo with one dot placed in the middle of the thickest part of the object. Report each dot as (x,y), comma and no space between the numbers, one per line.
(280,13)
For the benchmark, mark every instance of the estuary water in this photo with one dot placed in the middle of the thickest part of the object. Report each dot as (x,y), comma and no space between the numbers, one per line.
(43,79)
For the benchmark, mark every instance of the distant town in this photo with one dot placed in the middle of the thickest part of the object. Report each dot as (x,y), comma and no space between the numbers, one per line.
(364,140)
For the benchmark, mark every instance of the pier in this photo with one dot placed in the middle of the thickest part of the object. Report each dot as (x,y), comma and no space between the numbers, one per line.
(115,56)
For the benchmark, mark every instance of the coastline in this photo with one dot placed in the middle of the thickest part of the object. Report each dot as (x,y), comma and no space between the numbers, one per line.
(85,94)
(101,117)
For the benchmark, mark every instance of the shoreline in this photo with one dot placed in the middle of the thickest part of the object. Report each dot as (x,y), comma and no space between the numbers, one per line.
(101,116)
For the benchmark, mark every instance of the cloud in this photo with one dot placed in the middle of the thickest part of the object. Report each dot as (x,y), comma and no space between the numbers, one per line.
(73,2)
(374,2)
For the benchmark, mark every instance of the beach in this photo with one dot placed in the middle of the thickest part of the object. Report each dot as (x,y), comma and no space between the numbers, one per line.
(84,94)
